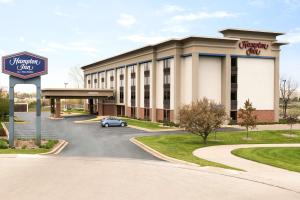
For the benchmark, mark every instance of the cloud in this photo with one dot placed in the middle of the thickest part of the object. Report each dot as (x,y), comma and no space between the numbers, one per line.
(172,8)
(292,36)
(6,1)
(204,15)
(145,39)
(126,20)
(60,13)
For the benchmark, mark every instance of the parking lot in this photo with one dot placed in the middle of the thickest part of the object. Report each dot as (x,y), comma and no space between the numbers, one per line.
(89,140)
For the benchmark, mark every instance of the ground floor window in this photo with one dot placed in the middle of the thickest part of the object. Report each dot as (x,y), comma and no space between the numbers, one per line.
(133,112)
(233,115)
(147,113)
(166,115)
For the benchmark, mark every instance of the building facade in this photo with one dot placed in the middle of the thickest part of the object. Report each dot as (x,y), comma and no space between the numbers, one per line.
(154,81)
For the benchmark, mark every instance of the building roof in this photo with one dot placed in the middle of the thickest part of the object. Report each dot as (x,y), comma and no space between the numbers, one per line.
(158,44)
(80,93)
(225,32)
(237,30)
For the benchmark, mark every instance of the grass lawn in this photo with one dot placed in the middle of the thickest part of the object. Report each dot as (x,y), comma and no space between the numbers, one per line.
(282,157)
(23,151)
(181,146)
(144,124)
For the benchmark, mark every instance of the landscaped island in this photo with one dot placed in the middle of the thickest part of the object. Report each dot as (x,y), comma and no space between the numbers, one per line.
(27,147)
(282,157)
(181,146)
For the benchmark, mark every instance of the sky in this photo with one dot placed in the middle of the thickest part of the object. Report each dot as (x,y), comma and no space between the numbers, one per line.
(78,32)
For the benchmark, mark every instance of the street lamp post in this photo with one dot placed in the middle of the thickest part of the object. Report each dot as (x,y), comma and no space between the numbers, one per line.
(66,105)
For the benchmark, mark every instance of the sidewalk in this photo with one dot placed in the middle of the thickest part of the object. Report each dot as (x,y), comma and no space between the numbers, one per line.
(254,170)
(269,127)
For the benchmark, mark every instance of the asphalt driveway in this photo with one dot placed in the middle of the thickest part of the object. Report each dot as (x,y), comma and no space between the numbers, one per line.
(87,139)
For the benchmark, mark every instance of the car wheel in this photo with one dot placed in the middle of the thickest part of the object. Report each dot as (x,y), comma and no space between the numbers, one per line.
(122,124)
(106,125)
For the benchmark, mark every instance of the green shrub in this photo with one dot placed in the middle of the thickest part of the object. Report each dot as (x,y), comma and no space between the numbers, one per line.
(50,144)
(3,144)
(169,123)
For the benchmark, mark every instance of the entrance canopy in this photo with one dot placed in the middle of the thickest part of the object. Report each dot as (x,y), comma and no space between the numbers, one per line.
(67,93)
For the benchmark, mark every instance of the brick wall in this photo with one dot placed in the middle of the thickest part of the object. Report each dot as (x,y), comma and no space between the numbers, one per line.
(159,114)
(141,113)
(264,115)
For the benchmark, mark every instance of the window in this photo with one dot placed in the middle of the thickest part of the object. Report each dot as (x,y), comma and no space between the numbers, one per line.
(167,63)
(166,115)
(233,62)
(146,74)
(132,69)
(132,76)
(132,82)
(146,80)
(121,77)
(147,113)
(111,82)
(121,94)
(233,115)
(133,114)
(233,96)
(89,81)
(102,82)
(166,78)
(95,80)
(146,67)
(233,79)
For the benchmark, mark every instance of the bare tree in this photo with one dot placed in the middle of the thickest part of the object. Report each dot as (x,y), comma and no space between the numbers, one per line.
(76,76)
(202,117)
(287,88)
(292,118)
(246,114)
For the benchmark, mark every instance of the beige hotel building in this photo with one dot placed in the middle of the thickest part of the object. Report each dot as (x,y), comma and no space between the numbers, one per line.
(154,81)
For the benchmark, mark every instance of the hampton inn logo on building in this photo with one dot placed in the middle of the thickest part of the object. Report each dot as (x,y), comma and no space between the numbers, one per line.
(24,65)
(253,48)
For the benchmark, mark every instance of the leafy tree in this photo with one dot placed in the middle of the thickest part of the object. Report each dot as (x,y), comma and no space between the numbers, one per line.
(292,118)
(202,117)
(4,108)
(246,114)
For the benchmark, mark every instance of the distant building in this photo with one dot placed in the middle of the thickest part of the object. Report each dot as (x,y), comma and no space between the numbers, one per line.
(154,81)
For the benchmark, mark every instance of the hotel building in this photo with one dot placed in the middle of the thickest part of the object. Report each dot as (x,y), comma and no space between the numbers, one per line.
(154,81)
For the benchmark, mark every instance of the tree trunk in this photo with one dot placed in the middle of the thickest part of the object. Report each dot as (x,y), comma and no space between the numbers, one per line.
(284,109)
(215,135)
(247,132)
(205,139)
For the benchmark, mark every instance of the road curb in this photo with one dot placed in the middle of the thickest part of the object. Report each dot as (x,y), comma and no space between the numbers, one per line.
(160,155)
(157,130)
(54,118)
(61,145)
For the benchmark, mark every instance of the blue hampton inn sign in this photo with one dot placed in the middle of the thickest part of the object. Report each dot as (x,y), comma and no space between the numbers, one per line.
(24,65)
(24,68)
